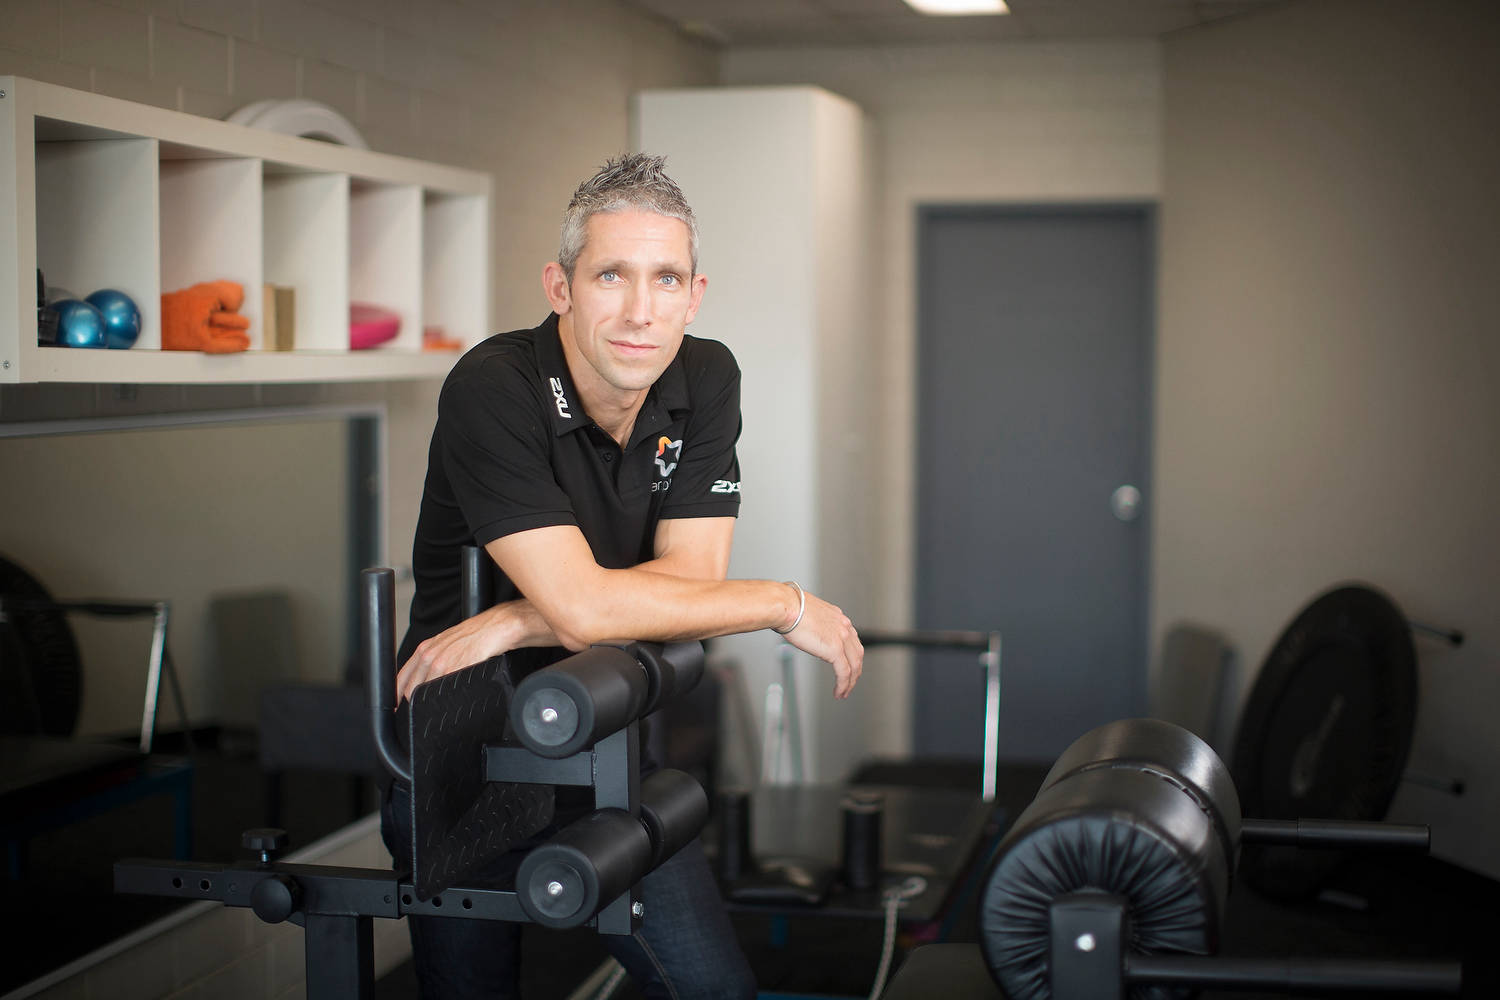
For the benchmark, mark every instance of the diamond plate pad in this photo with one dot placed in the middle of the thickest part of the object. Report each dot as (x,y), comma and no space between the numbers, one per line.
(460,822)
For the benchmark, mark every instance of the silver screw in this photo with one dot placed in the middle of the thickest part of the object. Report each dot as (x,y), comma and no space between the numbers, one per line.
(1085,942)
(549,715)
(554,888)
(2,93)
(4,364)
(638,908)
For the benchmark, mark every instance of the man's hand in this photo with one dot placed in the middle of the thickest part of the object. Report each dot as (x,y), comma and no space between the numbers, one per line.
(492,632)
(826,632)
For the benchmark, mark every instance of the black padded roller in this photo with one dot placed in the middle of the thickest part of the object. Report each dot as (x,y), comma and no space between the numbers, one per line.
(1169,751)
(672,669)
(674,810)
(1120,830)
(570,705)
(564,882)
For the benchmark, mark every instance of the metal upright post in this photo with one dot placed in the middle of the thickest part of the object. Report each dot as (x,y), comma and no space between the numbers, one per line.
(991,660)
(153,676)
(340,956)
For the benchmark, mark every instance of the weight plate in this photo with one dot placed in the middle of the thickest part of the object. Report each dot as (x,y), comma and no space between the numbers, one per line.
(40,668)
(1327,728)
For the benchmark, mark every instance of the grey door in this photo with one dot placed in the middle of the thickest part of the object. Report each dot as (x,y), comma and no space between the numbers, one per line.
(1034,350)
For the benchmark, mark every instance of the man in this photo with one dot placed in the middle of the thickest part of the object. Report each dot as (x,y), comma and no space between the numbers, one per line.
(594,459)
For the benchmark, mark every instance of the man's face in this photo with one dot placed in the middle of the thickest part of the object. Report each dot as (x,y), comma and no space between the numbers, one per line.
(632,296)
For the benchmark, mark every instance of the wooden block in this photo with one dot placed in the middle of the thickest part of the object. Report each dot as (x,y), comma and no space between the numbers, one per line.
(280,318)
(268,318)
(286,318)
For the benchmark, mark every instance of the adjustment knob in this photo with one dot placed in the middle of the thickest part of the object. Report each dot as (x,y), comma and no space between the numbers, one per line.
(275,898)
(266,841)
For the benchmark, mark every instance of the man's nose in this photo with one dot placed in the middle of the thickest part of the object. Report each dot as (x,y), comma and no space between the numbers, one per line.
(638,306)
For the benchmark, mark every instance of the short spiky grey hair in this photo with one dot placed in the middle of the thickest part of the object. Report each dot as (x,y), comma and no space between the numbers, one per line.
(633,182)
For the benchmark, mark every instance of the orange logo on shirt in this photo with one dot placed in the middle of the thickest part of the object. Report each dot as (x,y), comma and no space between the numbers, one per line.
(664,445)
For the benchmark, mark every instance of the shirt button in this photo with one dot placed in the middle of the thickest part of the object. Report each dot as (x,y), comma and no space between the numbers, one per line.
(608,456)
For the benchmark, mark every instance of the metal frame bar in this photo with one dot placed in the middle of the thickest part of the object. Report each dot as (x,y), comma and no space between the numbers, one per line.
(987,644)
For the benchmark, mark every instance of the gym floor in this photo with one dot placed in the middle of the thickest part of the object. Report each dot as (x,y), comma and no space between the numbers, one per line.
(1380,905)
(1376,906)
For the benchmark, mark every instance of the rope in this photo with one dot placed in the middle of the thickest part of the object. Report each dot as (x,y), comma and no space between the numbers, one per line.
(895,898)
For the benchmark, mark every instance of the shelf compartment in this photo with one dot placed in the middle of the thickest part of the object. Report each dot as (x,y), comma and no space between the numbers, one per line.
(211,228)
(455,265)
(109,193)
(385,255)
(96,222)
(307,248)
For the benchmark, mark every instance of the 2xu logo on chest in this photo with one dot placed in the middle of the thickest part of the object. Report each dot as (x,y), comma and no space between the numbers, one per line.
(562,401)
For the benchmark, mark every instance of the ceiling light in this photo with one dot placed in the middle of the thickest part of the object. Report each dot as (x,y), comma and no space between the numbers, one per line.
(958,8)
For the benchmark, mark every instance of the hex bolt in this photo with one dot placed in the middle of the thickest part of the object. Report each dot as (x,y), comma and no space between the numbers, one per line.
(1085,942)
(638,908)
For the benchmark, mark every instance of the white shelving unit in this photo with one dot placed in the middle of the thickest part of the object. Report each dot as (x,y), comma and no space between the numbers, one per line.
(103,193)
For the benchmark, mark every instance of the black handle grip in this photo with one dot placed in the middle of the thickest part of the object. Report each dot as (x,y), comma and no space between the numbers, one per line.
(377,652)
(1340,834)
(476,590)
(928,638)
(1294,974)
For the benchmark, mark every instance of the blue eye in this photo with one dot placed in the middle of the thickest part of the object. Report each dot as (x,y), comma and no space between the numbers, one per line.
(670,279)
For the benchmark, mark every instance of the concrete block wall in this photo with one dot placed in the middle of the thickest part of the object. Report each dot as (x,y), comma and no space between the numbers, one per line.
(534,92)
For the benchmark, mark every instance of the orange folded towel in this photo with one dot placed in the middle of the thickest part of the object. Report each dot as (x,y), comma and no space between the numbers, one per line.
(205,318)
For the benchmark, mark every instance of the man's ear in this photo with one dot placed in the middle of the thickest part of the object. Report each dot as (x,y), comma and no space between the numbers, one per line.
(699,283)
(555,286)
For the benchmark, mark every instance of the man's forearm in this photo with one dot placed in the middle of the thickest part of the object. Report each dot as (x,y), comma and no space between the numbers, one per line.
(641,603)
(520,624)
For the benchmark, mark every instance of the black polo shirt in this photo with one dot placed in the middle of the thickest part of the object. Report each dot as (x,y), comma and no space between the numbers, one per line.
(513,450)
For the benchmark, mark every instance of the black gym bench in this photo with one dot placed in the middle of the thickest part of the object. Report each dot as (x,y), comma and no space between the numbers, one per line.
(475,794)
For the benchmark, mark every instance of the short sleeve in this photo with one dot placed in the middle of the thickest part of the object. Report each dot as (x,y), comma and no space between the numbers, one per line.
(707,479)
(496,450)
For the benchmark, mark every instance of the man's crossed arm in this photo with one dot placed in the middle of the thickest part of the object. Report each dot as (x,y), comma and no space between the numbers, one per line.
(681,593)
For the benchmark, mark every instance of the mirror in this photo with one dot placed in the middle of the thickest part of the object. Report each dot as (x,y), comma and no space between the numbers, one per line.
(252,532)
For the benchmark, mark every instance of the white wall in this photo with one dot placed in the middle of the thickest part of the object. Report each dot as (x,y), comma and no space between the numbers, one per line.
(1005,123)
(1326,404)
(776,177)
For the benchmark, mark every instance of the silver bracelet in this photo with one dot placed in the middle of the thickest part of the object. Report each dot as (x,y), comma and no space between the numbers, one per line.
(801,608)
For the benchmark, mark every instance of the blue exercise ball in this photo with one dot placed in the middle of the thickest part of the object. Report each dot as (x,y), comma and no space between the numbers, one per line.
(122,320)
(79,324)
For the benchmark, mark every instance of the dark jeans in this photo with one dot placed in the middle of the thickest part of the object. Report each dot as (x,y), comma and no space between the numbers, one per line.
(685,950)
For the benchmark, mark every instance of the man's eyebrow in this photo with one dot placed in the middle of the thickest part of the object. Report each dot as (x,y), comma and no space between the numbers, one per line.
(656,267)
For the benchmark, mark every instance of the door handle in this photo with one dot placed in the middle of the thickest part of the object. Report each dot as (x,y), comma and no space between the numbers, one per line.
(1126,502)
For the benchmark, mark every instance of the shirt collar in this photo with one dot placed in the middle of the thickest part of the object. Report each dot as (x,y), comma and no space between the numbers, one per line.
(664,400)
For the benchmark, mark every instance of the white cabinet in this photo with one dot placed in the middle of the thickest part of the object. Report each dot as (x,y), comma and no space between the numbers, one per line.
(779,179)
(103,193)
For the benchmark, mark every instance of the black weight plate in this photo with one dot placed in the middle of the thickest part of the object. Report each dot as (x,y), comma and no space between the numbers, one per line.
(39,664)
(1327,728)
